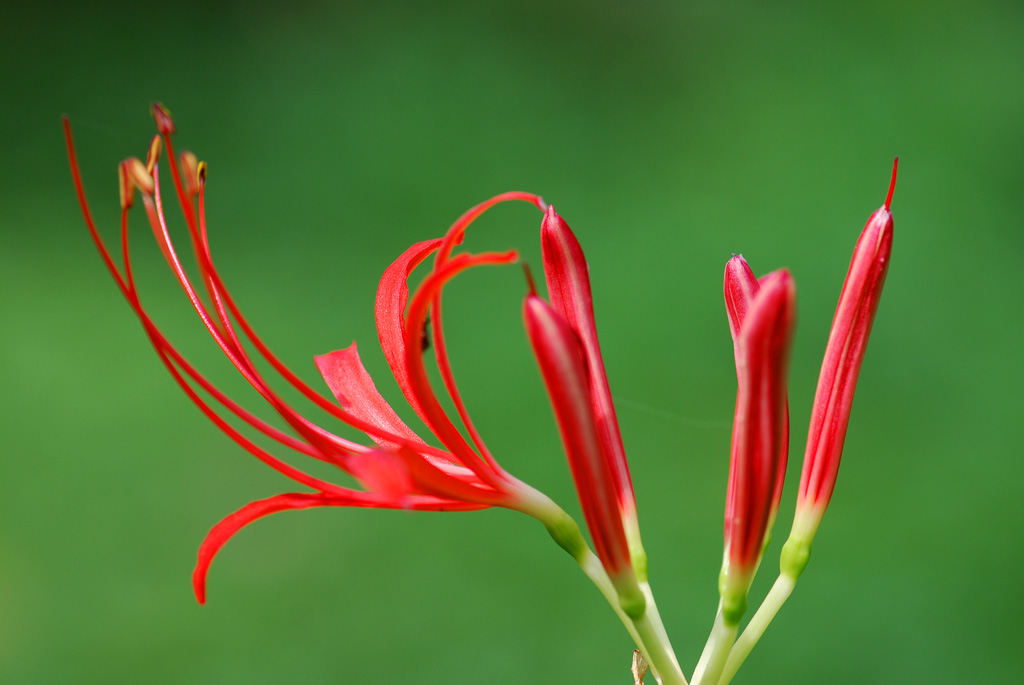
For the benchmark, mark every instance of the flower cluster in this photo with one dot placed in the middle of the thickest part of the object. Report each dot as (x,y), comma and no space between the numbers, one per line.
(398,469)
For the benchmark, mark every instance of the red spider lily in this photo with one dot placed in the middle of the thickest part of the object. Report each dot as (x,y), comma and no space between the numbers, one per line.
(567,329)
(840,368)
(762,317)
(401,471)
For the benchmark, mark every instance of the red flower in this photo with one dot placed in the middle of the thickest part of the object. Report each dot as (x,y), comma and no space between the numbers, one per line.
(400,471)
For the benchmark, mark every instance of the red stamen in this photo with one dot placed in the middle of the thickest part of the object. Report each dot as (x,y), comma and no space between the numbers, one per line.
(434,415)
(531,284)
(453,237)
(892,183)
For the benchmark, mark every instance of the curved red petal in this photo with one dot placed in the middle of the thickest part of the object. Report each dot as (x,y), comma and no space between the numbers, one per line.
(348,379)
(392,296)
(232,523)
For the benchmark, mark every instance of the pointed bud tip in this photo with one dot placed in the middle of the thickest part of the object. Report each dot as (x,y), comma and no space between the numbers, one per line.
(163,119)
(553,220)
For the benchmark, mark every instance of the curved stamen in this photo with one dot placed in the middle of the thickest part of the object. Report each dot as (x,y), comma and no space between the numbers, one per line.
(415,321)
(452,238)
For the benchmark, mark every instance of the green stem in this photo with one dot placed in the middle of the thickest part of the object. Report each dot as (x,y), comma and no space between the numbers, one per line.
(593,569)
(647,630)
(773,601)
(705,656)
(723,636)
(654,617)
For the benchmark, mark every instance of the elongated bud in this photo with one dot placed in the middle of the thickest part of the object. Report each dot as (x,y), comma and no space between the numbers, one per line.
(562,363)
(740,288)
(162,117)
(568,281)
(844,354)
(763,347)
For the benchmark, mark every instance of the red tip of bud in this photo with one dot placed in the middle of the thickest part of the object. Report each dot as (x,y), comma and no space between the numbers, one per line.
(892,183)
(153,155)
(740,287)
(162,117)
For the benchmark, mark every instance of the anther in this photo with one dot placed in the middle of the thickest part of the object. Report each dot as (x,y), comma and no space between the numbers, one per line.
(201,174)
(153,155)
(162,116)
(125,186)
(190,172)
(140,178)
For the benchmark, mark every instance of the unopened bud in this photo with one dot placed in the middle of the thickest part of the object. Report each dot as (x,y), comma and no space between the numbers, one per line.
(162,116)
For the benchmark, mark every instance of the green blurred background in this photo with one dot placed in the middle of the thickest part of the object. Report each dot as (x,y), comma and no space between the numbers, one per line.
(669,135)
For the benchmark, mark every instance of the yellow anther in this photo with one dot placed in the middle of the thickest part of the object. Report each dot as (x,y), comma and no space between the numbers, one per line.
(139,176)
(125,186)
(153,155)
(189,172)
(201,173)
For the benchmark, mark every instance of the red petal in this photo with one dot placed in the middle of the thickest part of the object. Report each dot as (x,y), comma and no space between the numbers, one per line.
(415,372)
(231,524)
(352,385)
(223,531)
(392,295)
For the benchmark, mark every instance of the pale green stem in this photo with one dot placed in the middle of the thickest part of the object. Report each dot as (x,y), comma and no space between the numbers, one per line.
(773,601)
(647,630)
(593,569)
(705,656)
(658,652)
(659,628)
(723,636)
